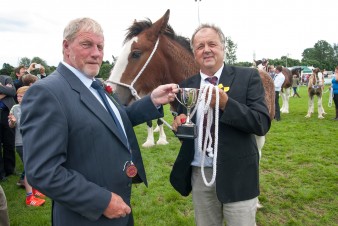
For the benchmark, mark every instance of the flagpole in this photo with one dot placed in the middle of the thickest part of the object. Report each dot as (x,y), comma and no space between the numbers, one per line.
(198,11)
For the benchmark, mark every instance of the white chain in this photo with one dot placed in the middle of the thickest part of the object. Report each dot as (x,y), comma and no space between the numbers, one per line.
(206,144)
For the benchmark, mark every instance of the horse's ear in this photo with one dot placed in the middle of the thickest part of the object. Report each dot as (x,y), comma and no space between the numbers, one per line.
(166,17)
(160,26)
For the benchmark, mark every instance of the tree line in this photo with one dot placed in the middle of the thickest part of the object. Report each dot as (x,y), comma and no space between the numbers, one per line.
(321,55)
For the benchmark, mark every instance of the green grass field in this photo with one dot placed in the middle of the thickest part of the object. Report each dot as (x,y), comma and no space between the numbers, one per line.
(299,177)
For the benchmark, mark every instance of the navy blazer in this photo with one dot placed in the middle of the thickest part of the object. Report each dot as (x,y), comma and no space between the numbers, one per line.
(245,115)
(7,88)
(73,152)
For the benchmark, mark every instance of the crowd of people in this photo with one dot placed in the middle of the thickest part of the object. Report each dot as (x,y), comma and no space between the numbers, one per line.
(11,94)
(88,169)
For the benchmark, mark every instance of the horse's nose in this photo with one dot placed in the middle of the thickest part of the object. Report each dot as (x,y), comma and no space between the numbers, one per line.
(124,95)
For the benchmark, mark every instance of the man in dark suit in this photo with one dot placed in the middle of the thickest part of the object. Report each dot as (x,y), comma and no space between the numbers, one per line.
(78,151)
(7,134)
(228,193)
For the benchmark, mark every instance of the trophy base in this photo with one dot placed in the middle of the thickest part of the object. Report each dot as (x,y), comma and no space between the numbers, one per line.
(186,132)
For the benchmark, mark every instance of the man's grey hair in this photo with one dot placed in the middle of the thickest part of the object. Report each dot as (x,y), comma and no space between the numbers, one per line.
(81,24)
(212,26)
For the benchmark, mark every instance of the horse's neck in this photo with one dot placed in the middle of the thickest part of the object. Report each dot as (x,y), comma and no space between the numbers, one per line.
(313,80)
(181,63)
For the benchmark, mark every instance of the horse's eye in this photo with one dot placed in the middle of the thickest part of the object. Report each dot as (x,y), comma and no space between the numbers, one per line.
(136,54)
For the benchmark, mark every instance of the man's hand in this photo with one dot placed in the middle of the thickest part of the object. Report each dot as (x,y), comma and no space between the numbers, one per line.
(164,94)
(179,120)
(223,99)
(117,207)
(31,67)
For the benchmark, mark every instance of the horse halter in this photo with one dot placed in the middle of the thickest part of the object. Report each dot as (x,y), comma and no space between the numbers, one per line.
(131,86)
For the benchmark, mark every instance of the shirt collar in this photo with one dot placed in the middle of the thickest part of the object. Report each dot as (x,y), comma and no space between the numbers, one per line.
(84,79)
(217,74)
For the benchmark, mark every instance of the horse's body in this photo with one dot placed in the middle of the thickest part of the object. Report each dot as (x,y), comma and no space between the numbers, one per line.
(286,88)
(171,62)
(315,88)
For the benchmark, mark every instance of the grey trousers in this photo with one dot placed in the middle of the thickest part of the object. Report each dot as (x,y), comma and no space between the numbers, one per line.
(4,220)
(209,211)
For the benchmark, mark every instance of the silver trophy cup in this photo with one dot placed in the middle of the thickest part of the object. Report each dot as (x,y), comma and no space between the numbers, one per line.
(188,98)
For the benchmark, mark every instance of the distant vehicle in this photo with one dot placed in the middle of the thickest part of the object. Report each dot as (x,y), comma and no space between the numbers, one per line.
(327,81)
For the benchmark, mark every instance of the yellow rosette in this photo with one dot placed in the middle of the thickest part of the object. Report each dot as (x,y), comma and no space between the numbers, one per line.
(226,88)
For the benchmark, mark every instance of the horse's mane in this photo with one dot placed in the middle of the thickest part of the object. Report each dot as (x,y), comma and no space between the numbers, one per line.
(138,26)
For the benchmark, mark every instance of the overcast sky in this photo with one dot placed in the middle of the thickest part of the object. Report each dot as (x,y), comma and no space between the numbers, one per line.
(268,28)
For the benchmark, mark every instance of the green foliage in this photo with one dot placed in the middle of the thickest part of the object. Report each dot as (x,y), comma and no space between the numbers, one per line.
(298,176)
(6,69)
(25,61)
(230,51)
(322,55)
(105,70)
(243,64)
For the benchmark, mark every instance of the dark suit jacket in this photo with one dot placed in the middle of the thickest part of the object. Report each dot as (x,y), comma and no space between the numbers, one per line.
(9,91)
(73,152)
(244,116)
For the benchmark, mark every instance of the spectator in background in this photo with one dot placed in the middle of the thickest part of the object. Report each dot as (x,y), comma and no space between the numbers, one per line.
(19,72)
(325,73)
(295,84)
(278,81)
(42,73)
(271,71)
(14,122)
(29,79)
(335,90)
(7,154)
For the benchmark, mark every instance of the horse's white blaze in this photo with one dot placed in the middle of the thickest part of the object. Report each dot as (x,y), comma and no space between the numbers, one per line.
(122,61)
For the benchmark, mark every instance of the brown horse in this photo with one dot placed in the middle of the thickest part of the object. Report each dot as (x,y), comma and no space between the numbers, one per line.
(153,55)
(315,88)
(286,87)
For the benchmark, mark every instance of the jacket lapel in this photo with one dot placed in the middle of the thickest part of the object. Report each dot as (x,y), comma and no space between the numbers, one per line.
(90,101)
(227,77)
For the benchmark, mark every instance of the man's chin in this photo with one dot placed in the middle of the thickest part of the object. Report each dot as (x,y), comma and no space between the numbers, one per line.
(92,71)
(209,64)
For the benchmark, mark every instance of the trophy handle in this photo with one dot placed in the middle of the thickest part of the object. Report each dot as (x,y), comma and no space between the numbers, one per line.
(178,87)
(178,99)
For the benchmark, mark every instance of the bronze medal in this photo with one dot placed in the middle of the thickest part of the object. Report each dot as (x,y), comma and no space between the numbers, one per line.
(131,170)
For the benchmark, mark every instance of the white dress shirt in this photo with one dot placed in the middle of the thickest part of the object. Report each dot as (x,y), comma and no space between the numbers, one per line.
(278,81)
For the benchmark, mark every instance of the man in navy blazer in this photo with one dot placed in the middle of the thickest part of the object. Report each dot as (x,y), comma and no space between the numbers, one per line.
(232,197)
(73,150)
(7,134)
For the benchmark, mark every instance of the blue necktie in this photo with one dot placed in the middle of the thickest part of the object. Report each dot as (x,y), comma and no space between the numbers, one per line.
(96,85)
